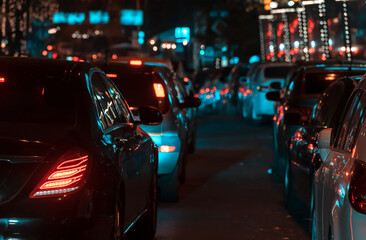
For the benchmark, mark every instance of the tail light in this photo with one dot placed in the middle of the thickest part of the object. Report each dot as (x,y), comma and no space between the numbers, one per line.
(159,90)
(305,111)
(357,187)
(166,148)
(67,175)
(136,62)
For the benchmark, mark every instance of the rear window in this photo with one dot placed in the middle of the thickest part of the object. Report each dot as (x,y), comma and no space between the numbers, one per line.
(31,96)
(276,72)
(138,89)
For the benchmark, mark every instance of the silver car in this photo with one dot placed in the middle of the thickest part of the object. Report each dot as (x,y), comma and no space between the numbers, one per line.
(339,191)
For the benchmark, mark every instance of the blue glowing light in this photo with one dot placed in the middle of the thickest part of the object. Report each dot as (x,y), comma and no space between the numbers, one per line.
(182,34)
(131,17)
(296,44)
(313,44)
(69,58)
(141,37)
(98,17)
(254,59)
(224,49)
(68,18)
(202,52)
(282,46)
(234,60)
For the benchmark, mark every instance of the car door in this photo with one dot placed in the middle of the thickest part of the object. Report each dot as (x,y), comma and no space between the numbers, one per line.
(339,157)
(140,146)
(118,138)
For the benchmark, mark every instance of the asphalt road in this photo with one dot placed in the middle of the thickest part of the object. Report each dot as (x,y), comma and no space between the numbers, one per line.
(229,192)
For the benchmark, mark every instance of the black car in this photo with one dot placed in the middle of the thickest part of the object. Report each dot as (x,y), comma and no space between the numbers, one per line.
(305,86)
(304,159)
(74,163)
(150,85)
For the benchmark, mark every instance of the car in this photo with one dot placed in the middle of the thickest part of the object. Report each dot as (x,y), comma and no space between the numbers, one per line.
(256,106)
(183,87)
(150,85)
(303,157)
(339,186)
(305,86)
(74,162)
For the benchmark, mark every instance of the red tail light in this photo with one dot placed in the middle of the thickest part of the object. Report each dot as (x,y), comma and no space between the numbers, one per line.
(305,111)
(68,175)
(357,187)
(159,90)
(136,62)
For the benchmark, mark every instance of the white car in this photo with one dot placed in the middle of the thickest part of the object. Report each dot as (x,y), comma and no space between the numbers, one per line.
(257,106)
(339,190)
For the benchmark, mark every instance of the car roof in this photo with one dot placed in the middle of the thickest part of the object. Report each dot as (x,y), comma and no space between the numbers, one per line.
(146,61)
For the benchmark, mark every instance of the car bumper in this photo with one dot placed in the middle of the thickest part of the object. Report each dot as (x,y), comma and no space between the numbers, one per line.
(167,160)
(261,105)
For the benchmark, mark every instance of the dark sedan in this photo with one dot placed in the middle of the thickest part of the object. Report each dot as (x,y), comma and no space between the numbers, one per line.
(305,86)
(304,159)
(74,164)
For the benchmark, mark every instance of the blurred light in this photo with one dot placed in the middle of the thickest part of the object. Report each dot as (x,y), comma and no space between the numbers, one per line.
(254,59)
(155,48)
(296,44)
(174,46)
(2,79)
(202,46)
(141,37)
(54,55)
(44,53)
(291,3)
(131,17)
(152,41)
(69,58)
(168,46)
(282,46)
(85,36)
(111,75)
(330,42)
(163,45)
(185,79)
(68,18)
(166,148)
(98,17)
(269,171)
(49,47)
(224,61)
(94,56)
(224,49)
(273,5)
(182,34)
(75,59)
(313,44)
(185,43)
(202,52)
(159,90)
(3,45)
(114,56)
(136,62)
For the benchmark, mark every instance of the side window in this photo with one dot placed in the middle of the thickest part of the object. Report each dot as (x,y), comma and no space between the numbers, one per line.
(328,104)
(350,125)
(104,103)
(118,101)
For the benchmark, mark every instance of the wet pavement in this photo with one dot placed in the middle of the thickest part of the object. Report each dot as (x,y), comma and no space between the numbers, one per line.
(229,192)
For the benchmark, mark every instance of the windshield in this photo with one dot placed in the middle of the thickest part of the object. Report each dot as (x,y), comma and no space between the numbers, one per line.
(31,96)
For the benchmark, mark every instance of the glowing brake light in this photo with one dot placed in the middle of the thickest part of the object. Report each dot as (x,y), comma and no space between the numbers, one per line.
(159,90)
(166,148)
(2,79)
(186,79)
(136,62)
(111,75)
(65,177)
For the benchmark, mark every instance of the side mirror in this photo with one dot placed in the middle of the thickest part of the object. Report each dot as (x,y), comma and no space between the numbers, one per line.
(276,85)
(324,140)
(292,118)
(273,96)
(191,102)
(148,115)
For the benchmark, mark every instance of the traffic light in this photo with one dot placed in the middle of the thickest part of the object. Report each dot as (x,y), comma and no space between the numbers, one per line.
(267,4)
